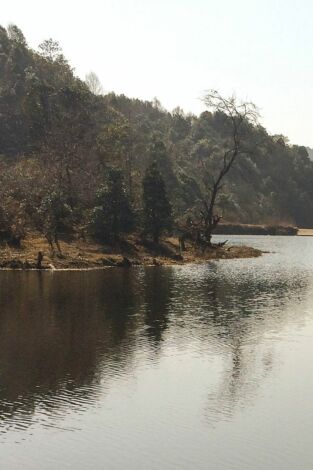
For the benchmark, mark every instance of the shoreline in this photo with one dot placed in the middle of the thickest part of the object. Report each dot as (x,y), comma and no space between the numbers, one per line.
(254,229)
(78,255)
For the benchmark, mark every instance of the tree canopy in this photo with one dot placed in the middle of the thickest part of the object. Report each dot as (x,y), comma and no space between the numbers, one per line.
(61,138)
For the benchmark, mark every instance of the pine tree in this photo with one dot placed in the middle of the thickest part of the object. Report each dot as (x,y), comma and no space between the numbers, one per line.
(157,208)
(112,214)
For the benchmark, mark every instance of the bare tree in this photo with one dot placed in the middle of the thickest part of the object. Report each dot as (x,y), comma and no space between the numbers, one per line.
(238,117)
(93,83)
(50,50)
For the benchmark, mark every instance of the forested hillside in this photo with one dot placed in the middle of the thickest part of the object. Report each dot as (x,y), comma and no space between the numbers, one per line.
(70,157)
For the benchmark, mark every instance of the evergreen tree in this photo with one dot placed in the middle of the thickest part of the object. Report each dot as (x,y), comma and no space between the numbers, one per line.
(157,208)
(112,214)
(159,154)
(54,131)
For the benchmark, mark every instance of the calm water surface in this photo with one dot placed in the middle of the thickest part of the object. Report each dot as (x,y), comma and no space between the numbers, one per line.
(185,367)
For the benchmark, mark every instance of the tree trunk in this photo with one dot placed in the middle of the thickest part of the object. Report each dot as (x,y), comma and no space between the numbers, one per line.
(56,240)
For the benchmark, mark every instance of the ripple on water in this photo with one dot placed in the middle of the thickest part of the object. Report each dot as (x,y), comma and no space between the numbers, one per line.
(199,366)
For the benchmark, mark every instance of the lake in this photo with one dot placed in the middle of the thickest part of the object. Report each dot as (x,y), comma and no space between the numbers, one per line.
(159,368)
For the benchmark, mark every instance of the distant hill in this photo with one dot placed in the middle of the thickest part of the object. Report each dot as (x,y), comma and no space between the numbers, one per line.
(58,140)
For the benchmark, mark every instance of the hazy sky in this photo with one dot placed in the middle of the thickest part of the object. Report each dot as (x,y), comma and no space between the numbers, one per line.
(176,49)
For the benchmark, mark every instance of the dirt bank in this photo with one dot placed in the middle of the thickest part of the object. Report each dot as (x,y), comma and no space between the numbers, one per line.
(78,254)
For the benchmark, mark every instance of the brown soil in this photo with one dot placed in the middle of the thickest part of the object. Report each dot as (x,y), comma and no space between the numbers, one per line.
(78,254)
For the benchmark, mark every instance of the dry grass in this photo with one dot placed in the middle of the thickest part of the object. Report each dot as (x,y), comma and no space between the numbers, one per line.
(79,254)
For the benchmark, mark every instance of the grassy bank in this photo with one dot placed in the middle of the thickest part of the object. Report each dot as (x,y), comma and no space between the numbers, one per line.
(79,254)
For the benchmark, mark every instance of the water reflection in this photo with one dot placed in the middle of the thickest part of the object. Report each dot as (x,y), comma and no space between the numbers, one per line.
(158,286)
(237,315)
(68,339)
(58,335)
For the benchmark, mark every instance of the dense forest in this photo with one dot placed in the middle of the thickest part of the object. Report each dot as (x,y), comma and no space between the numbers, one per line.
(74,160)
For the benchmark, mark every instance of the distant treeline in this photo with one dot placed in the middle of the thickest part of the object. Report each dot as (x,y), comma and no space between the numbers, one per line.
(249,229)
(73,161)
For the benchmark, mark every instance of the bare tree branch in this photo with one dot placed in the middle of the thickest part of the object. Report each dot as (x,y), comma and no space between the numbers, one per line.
(240,115)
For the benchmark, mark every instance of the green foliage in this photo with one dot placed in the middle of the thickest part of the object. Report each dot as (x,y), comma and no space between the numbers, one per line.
(112,214)
(157,208)
(58,137)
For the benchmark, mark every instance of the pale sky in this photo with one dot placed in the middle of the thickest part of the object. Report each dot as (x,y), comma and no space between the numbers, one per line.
(176,49)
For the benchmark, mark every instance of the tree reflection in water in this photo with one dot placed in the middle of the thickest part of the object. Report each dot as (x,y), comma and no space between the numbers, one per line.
(65,336)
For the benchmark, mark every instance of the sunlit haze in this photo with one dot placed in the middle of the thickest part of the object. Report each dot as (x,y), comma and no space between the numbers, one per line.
(176,49)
